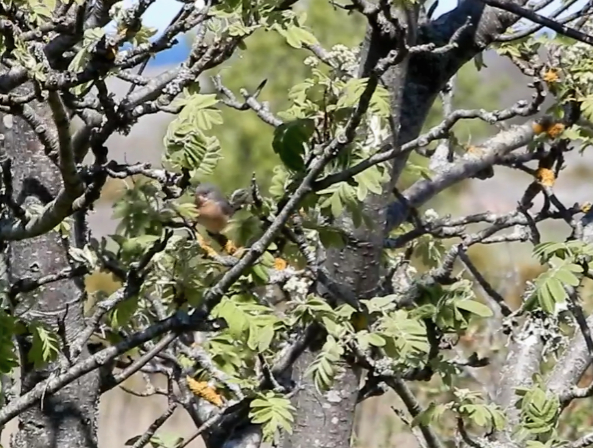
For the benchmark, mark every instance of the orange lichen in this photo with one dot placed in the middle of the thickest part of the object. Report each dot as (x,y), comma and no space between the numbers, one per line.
(538,128)
(551,76)
(555,130)
(545,177)
(280,264)
(552,128)
(585,207)
(203,390)
(474,150)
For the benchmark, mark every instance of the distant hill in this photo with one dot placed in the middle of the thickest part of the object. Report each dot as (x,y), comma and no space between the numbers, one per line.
(175,55)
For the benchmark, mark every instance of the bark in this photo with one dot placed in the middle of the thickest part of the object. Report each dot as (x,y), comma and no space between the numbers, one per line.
(67,418)
(327,420)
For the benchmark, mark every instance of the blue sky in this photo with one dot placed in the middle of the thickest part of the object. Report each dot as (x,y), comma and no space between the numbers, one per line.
(160,13)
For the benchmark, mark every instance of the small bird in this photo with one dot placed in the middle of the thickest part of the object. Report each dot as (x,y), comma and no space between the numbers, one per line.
(215,211)
(214,208)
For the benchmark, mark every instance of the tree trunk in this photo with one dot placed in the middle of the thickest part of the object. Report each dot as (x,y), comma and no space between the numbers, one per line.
(68,418)
(327,420)
(413,85)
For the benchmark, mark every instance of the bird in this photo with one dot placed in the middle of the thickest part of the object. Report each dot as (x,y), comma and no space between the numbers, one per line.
(214,208)
(214,213)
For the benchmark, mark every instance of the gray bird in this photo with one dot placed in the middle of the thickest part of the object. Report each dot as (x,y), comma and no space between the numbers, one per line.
(214,208)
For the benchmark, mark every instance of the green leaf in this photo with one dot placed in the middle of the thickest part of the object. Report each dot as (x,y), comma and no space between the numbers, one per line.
(199,110)
(235,317)
(352,92)
(267,259)
(45,345)
(279,182)
(274,412)
(167,440)
(380,304)
(478,414)
(538,444)
(550,284)
(296,36)
(567,274)
(366,339)
(290,142)
(139,243)
(370,180)
(539,410)
(376,340)
(587,107)
(332,327)
(339,196)
(313,309)
(408,335)
(484,415)
(123,312)
(324,368)
(91,37)
(430,249)
(187,147)
(143,35)
(42,9)
(186,210)
(261,272)
(564,250)
(379,104)
(228,355)
(474,307)
(265,337)
(248,319)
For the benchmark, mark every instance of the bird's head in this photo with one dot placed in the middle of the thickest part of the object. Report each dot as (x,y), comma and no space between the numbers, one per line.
(208,192)
(212,203)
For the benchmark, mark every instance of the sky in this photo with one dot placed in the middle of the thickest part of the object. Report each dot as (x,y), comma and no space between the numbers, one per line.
(161,12)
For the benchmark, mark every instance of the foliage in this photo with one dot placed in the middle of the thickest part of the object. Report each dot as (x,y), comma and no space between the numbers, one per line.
(247,146)
(274,412)
(316,271)
(565,261)
(539,410)
(470,406)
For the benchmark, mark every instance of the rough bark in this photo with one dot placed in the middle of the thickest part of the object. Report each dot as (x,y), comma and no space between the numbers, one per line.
(67,418)
(327,420)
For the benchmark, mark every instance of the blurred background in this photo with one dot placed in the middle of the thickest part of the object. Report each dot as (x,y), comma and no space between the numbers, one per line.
(246,143)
